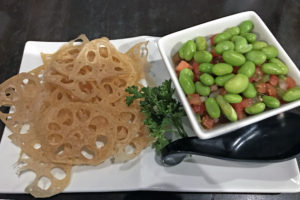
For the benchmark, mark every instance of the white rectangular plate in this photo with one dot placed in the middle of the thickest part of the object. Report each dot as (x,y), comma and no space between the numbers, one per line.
(195,174)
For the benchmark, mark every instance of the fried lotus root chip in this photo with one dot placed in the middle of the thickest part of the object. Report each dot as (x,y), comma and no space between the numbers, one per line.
(78,133)
(55,177)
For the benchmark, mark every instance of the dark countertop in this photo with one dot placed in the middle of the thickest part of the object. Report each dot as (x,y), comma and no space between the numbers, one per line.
(62,20)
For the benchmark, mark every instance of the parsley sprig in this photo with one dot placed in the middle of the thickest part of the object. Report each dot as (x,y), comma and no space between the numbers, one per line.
(162,111)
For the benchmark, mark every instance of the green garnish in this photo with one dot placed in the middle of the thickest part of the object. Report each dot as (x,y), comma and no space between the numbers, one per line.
(162,111)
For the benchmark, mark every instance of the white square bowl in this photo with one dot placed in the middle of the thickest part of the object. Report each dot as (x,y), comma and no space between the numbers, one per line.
(170,44)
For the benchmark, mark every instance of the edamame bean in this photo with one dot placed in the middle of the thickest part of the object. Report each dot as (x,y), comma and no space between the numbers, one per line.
(206,67)
(255,108)
(222,36)
(220,69)
(237,84)
(202,89)
(187,72)
(271,102)
(257,45)
(248,69)
(233,58)
(226,108)
(283,67)
(256,56)
(187,84)
(251,37)
(187,50)
(272,68)
(250,92)
(240,44)
(235,30)
(207,79)
(212,108)
(233,98)
(221,80)
(224,46)
(270,51)
(203,57)
(292,94)
(246,26)
(201,43)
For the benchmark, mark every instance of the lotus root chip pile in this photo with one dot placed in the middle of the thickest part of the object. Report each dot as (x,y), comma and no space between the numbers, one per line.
(72,110)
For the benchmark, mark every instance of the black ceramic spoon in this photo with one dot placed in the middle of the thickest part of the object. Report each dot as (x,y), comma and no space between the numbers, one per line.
(271,140)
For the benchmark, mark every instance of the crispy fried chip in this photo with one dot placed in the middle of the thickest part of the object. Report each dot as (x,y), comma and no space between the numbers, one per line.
(72,110)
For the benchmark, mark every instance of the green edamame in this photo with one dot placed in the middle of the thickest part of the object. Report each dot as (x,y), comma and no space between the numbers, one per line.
(212,108)
(224,46)
(206,67)
(221,80)
(292,94)
(203,57)
(187,50)
(207,79)
(241,45)
(270,51)
(248,69)
(257,45)
(255,108)
(237,84)
(187,72)
(233,58)
(256,56)
(271,102)
(283,67)
(235,30)
(250,92)
(220,69)
(251,37)
(233,98)
(202,89)
(222,36)
(201,43)
(187,84)
(272,68)
(246,26)
(226,108)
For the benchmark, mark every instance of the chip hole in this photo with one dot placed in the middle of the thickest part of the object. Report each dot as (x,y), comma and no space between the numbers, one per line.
(101,141)
(58,173)
(127,116)
(54,139)
(118,69)
(122,132)
(37,146)
(74,51)
(44,183)
(66,80)
(115,59)
(130,149)
(53,126)
(24,129)
(83,114)
(85,69)
(86,87)
(87,153)
(108,89)
(103,51)
(91,56)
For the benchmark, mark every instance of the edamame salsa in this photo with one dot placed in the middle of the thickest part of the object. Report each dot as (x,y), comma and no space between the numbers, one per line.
(232,76)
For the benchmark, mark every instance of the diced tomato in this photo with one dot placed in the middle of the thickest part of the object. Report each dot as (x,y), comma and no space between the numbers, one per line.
(208,122)
(239,109)
(213,88)
(261,88)
(222,91)
(246,103)
(271,90)
(273,80)
(290,82)
(194,99)
(212,42)
(214,53)
(235,69)
(200,109)
(182,65)
(196,71)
